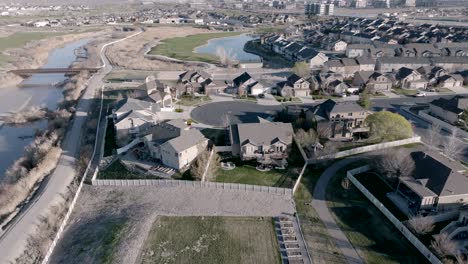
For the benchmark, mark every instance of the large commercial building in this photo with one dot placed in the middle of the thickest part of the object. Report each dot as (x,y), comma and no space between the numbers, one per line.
(319,9)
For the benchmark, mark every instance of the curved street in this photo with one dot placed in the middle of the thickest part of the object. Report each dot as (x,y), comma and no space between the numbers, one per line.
(14,239)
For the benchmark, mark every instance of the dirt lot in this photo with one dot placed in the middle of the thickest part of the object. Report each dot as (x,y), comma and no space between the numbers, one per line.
(205,240)
(130,54)
(110,224)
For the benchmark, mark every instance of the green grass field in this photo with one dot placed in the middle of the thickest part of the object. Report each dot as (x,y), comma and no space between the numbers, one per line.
(375,237)
(211,240)
(182,48)
(246,173)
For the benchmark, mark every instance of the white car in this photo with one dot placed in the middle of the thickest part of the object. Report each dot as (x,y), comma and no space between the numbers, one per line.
(420,94)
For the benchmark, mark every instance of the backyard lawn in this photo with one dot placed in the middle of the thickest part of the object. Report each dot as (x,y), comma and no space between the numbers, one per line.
(246,173)
(211,240)
(182,48)
(375,237)
(405,92)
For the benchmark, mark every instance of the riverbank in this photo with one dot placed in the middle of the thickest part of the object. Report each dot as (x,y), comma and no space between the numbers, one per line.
(35,51)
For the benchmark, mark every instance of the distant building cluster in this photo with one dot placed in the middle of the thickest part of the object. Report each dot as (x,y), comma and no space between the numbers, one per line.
(319,9)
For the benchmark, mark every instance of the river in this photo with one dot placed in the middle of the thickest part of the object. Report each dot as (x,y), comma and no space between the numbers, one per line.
(39,92)
(234,44)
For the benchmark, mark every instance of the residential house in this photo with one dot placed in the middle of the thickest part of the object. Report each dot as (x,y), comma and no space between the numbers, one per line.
(389,64)
(450,81)
(264,141)
(174,144)
(407,78)
(340,120)
(435,184)
(314,58)
(245,84)
(449,110)
(158,93)
(457,230)
(372,80)
(365,63)
(131,116)
(322,80)
(338,46)
(337,87)
(294,86)
(198,81)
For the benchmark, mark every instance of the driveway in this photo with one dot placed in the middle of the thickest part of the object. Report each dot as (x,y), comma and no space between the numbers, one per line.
(320,205)
(237,112)
(14,238)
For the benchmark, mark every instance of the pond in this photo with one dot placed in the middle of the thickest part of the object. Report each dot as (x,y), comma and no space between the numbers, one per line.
(234,45)
(39,91)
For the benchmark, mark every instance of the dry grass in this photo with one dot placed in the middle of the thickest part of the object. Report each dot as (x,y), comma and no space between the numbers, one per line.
(29,114)
(211,240)
(130,53)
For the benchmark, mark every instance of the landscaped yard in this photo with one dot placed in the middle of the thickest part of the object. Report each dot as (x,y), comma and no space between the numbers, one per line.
(218,136)
(405,92)
(182,48)
(282,99)
(375,237)
(117,171)
(127,75)
(187,100)
(246,173)
(211,240)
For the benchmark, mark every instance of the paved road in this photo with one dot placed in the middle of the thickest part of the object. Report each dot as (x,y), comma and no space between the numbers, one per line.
(319,203)
(13,240)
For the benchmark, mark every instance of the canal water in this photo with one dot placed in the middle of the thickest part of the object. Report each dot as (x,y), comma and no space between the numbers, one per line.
(40,91)
(233,44)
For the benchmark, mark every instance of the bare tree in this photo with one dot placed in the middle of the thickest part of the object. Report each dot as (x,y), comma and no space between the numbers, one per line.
(306,138)
(443,245)
(452,147)
(432,136)
(226,57)
(395,163)
(420,225)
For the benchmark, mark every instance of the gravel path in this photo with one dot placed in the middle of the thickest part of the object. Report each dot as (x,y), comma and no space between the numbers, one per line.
(99,207)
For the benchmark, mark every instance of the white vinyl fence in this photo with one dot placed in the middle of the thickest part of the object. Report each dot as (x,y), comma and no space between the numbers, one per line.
(196,184)
(400,226)
(365,149)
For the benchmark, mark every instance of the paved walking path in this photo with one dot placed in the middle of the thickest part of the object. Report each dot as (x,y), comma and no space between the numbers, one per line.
(320,205)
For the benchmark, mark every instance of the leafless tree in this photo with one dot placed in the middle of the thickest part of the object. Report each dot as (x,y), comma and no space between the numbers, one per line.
(443,245)
(395,163)
(421,225)
(432,136)
(226,57)
(452,147)
(306,138)
(198,167)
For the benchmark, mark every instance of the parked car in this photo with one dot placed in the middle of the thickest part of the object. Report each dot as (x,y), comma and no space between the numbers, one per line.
(261,95)
(420,94)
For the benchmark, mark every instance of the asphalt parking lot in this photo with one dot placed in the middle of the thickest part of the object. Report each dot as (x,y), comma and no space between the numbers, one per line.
(237,111)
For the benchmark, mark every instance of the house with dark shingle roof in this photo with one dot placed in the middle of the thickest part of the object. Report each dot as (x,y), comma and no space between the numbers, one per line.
(340,120)
(294,86)
(436,183)
(449,110)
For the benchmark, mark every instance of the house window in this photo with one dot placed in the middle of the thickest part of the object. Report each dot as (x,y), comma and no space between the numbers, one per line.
(350,114)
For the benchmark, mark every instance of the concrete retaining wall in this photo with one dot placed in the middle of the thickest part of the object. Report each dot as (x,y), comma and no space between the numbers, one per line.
(401,227)
(195,184)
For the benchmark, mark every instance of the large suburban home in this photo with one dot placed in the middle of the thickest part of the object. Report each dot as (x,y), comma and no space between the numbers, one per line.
(314,58)
(132,116)
(174,144)
(158,93)
(436,184)
(340,120)
(322,80)
(407,78)
(265,142)
(294,86)
(389,64)
(372,80)
(450,81)
(245,84)
(449,110)
(198,81)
